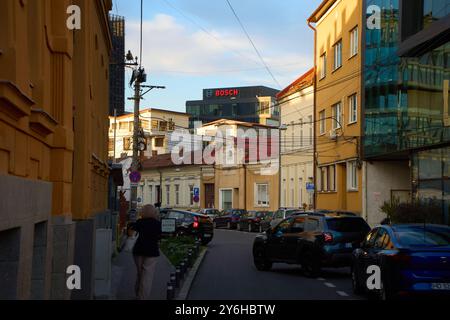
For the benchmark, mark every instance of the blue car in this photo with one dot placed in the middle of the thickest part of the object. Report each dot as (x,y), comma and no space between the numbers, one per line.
(414,260)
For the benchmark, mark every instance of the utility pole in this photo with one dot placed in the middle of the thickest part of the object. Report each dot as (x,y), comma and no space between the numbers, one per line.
(115,134)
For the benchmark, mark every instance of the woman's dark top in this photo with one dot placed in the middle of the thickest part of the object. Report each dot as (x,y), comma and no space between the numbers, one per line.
(149,231)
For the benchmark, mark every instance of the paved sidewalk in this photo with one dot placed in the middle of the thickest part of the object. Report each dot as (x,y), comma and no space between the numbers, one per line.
(124,277)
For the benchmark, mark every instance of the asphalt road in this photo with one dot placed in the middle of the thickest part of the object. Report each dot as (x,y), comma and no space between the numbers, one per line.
(228,273)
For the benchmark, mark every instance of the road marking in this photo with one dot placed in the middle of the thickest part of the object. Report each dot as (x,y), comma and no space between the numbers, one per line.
(330,285)
(342,293)
(321,279)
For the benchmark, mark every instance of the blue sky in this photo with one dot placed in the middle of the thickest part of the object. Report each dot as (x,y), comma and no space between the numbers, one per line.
(180,55)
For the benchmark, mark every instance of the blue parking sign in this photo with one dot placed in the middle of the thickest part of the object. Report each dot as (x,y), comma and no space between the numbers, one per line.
(196,192)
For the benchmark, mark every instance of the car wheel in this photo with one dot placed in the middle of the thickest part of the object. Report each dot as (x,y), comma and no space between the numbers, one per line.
(310,265)
(259,258)
(356,285)
(214,225)
(250,229)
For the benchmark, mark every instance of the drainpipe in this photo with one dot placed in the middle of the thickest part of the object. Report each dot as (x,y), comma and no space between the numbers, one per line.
(314,116)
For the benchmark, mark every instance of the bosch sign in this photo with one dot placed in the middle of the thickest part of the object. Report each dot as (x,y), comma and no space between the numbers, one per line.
(227,93)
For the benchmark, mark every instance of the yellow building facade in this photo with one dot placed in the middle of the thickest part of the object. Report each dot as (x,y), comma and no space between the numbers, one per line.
(338,177)
(53,141)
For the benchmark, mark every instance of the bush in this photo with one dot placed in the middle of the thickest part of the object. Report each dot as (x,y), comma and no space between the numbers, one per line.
(416,211)
(176,248)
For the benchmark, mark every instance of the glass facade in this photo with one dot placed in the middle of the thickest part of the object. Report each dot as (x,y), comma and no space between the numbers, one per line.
(406,98)
(406,103)
(242,104)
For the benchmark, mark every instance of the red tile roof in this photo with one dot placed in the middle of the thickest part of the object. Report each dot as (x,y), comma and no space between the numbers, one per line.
(305,80)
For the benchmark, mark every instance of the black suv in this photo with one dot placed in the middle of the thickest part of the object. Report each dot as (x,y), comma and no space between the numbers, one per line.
(314,240)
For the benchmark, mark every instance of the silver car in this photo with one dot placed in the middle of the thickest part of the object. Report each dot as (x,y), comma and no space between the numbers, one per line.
(284,213)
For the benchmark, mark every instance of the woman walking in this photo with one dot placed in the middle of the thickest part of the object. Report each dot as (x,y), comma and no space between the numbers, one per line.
(146,250)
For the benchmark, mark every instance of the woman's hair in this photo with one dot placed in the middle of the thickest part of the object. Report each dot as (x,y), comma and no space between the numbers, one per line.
(149,212)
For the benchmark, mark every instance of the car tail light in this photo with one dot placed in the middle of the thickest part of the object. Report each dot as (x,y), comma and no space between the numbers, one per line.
(195,222)
(328,237)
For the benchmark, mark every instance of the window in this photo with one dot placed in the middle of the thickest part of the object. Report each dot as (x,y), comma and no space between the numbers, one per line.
(163,126)
(322,123)
(283,227)
(130,126)
(311,225)
(352,175)
(150,190)
(113,126)
(311,130)
(301,133)
(337,116)
(191,195)
(226,199)
(262,195)
(298,225)
(123,125)
(127,141)
(171,125)
(159,142)
(177,194)
(155,124)
(354,41)
(111,144)
(332,178)
(167,195)
(323,66)
(353,109)
(327,179)
(337,55)
(145,124)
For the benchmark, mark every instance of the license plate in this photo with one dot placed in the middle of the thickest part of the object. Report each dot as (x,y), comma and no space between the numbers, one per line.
(207,235)
(348,245)
(440,286)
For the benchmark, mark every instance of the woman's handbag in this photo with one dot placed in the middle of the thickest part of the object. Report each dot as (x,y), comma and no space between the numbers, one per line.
(130,242)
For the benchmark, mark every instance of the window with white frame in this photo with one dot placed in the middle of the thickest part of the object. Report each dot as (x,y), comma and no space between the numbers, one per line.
(167,195)
(354,39)
(177,194)
(337,55)
(191,195)
(301,134)
(323,66)
(352,175)
(262,195)
(150,190)
(353,108)
(331,178)
(311,130)
(337,115)
(322,122)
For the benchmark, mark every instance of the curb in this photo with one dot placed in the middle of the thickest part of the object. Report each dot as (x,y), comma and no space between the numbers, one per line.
(184,291)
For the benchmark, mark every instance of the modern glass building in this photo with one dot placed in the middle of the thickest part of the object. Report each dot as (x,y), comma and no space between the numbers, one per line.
(406,100)
(246,104)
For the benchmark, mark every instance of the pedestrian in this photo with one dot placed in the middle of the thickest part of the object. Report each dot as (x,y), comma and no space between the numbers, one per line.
(146,250)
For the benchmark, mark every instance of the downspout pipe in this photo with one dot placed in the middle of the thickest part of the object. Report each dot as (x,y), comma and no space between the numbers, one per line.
(314,114)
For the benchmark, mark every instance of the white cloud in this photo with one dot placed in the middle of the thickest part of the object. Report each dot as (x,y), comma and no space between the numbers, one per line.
(171,46)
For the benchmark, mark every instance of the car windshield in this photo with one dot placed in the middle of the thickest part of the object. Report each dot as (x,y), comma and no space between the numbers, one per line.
(429,236)
(347,225)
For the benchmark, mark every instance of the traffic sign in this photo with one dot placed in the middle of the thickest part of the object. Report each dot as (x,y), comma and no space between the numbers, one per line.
(196,199)
(135,177)
(310,188)
(196,192)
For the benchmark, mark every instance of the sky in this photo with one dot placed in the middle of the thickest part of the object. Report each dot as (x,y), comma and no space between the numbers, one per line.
(190,45)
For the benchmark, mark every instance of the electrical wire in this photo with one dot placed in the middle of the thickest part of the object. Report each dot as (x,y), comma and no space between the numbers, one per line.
(252,43)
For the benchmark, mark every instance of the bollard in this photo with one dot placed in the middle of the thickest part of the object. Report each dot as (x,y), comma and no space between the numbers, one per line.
(191,259)
(180,272)
(173,279)
(186,264)
(183,268)
(177,279)
(170,292)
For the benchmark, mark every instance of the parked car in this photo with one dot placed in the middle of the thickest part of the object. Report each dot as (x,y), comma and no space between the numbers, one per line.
(191,223)
(413,259)
(282,214)
(266,220)
(252,221)
(229,218)
(313,240)
(211,213)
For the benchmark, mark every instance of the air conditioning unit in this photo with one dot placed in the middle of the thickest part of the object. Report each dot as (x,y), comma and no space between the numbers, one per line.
(333,135)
